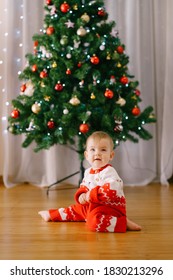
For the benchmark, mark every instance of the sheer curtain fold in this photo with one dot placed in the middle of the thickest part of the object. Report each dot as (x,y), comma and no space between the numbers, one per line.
(167,130)
(144,27)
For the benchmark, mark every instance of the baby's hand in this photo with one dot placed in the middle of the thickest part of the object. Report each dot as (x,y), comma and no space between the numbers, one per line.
(87,197)
(84,198)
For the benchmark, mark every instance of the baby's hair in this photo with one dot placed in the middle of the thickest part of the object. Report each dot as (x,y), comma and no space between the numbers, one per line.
(98,135)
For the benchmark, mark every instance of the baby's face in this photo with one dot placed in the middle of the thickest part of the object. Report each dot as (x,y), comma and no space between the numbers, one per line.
(98,152)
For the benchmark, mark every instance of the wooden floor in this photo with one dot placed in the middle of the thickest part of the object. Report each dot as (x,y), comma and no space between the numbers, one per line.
(25,236)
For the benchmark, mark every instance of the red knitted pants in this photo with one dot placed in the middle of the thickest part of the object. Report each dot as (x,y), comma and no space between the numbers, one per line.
(98,218)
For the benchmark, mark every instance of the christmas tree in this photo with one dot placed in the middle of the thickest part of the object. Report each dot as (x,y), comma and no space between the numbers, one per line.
(77,81)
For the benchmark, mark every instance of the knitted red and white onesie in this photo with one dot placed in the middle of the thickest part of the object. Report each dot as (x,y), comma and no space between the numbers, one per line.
(106,211)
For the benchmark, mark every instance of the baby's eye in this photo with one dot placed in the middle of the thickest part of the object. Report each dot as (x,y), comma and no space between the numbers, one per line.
(103,150)
(92,149)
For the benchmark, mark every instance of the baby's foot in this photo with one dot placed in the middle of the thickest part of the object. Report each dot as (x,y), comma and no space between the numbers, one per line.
(45,215)
(132,226)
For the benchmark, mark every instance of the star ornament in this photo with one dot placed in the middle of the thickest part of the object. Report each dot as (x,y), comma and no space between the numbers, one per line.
(69,24)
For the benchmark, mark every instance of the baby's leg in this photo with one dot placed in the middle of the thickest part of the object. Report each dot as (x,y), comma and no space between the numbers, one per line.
(45,215)
(71,213)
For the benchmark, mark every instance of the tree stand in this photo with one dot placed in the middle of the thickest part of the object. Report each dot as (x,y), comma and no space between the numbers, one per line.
(81,171)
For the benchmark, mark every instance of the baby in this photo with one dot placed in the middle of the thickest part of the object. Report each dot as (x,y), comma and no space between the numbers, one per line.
(100,200)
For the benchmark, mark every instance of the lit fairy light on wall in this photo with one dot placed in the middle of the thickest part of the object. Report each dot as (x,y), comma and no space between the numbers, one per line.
(19,20)
(11,38)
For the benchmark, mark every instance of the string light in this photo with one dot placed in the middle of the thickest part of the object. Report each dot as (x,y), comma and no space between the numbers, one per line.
(117,142)
(11,33)
(18,32)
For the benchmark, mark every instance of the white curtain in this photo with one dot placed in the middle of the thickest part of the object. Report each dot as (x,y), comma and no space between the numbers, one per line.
(145,27)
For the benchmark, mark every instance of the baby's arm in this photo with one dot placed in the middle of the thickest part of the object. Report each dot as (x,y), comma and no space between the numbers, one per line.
(82,195)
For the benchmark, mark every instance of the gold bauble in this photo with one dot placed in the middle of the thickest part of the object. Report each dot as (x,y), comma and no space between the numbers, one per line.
(108,56)
(85,17)
(54,64)
(36,108)
(64,40)
(152,116)
(11,129)
(92,96)
(75,7)
(81,31)
(119,65)
(42,84)
(134,97)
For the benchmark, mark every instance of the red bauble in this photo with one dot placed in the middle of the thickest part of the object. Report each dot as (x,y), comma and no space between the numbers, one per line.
(137,92)
(35,46)
(15,114)
(34,68)
(43,74)
(50,30)
(64,7)
(120,49)
(23,87)
(95,60)
(84,128)
(59,87)
(79,64)
(35,43)
(109,93)
(51,124)
(124,80)
(49,2)
(136,111)
(101,13)
(68,71)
